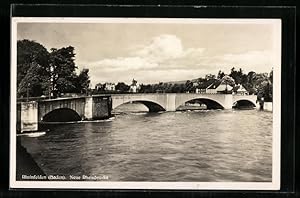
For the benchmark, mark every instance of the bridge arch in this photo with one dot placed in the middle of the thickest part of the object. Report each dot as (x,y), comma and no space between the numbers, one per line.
(153,106)
(244,103)
(61,115)
(209,102)
(61,107)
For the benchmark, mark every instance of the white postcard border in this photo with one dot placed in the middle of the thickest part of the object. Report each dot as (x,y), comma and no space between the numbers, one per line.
(276,155)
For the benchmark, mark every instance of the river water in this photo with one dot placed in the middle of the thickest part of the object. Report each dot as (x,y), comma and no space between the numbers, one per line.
(202,146)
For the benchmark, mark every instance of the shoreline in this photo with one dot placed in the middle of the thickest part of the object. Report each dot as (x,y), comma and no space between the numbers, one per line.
(25,164)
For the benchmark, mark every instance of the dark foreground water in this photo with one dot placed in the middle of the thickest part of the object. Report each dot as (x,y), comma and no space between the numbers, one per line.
(204,146)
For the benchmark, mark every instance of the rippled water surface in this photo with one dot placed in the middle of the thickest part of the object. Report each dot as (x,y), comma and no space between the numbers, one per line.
(216,145)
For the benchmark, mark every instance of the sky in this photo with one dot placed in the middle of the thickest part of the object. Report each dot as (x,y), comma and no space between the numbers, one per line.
(159,51)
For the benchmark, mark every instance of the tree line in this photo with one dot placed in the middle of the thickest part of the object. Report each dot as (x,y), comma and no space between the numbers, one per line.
(260,84)
(49,73)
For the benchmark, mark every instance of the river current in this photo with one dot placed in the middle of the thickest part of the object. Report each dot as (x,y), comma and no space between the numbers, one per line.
(192,146)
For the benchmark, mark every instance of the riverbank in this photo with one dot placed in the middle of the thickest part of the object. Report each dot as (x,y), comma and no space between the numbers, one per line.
(25,164)
(267,106)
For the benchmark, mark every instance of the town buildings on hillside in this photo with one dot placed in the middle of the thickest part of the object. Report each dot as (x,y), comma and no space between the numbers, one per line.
(106,86)
(226,85)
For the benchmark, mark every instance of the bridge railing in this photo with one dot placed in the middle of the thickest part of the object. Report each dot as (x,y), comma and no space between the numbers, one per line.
(32,99)
(43,98)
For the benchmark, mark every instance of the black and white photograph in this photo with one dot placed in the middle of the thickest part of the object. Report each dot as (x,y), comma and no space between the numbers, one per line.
(145,103)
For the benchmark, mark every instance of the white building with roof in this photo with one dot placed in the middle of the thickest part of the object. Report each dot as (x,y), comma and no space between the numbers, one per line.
(221,86)
(240,90)
(109,87)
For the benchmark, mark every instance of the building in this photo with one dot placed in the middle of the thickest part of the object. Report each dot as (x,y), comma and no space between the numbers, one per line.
(195,84)
(99,86)
(223,86)
(109,86)
(134,86)
(240,90)
(202,87)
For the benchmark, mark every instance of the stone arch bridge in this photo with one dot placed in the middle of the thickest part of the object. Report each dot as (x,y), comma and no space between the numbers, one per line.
(100,106)
(171,101)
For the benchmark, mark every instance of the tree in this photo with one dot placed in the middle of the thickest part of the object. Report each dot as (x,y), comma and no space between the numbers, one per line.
(234,74)
(168,87)
(32,67)
(146,88)
(122,87)
(238,76)
(188,86)
(228,80)
(210,76)
(268,92)
(271,76)
(30,85)
(82,81)
(178,88)
(62,70)
(29,52)
(260,80)
(40,72)
(264,86)
(250,81)
(265,91)
(220,74)
(251,77)
(201,80)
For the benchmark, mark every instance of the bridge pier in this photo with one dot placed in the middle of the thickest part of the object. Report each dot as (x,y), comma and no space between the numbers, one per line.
(97,108)
(28,117)
(171,102)
(88,109)
(228,101)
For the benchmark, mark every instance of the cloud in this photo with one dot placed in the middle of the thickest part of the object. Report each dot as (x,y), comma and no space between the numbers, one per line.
(159,53)
(164,58)
(259,61)
(146,76)
(162,48)
(258,58)
(123,64)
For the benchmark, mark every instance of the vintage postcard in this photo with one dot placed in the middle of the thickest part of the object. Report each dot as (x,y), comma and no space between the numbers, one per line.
(145,103)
